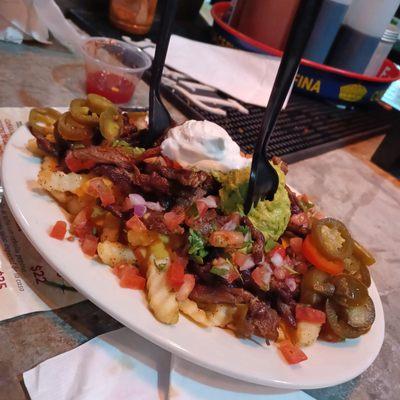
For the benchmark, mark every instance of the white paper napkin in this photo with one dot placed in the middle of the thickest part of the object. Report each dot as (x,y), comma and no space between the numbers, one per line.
(121,365)
(246,76)
(191,382)
(33,19)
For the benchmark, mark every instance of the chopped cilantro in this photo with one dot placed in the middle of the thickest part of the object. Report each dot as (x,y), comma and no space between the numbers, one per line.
(136,151)
(248,244)
(306,205)
(197,246)
(244,229)
(218,271)
(94,231)
(247,247)
(161,264)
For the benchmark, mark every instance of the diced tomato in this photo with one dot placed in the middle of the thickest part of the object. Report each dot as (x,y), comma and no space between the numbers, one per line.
(296,245)
(309,314)
(173,220)
(141,258)
(59,230)
(292,353)
(136,225)
(89,245)
(76,165)
(202,208)
(226,239)
(244,261)
(224,268)
(232,223)
(131,279)
(120,269)
(312,254)
(98,188)
(176,271)
(186,288)
(262,276)
(205,203)
(301,267)
(81,225)
(277,250)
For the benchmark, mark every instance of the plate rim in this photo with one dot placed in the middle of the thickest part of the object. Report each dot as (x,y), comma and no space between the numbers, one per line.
(169,345)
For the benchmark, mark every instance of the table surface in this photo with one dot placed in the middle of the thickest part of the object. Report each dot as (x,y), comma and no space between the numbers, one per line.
(35,75)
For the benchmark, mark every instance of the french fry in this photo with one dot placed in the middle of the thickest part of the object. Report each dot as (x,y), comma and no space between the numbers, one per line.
(161,298)
(34,149)
(217,315)
(114,253)
(50,179)
(222,315)
(192,310)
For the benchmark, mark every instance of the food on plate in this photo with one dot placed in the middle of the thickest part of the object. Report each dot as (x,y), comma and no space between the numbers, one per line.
(169,220)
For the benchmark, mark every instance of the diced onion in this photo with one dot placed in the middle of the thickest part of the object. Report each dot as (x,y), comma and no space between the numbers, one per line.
(291,284)
(154,206)
(277,260)
(136,199)
(230,226)
(139,210)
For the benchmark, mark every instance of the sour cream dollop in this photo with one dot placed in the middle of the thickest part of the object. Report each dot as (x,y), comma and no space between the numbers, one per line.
(203,145)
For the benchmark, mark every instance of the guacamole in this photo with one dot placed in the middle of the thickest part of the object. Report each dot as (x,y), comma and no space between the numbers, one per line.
(270,217)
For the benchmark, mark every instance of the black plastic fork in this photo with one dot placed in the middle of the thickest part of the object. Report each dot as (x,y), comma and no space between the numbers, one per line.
(159,117)
(264,180)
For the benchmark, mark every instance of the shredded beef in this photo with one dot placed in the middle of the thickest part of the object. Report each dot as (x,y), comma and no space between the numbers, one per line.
(106,155)
(129,131)
(209,222)
(295,207)
(204,225)
(119,176)
(264,319)
(258,240)
(154,220)
(185,197)
(47,146)
(185,177)
(278,161)
(149,153)
(299,224)
(153,183)
(261,319)
(219,294)
(202,271)
(284,301)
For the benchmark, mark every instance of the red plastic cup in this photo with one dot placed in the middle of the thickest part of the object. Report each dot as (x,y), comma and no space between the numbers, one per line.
(113,68)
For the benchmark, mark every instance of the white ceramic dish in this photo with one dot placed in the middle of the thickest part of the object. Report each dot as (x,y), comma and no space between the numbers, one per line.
(215,349)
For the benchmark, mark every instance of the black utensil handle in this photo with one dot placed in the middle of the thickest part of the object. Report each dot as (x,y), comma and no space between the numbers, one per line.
(298,37)
(168,12)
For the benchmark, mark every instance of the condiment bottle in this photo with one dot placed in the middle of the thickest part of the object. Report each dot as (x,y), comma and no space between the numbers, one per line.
(360,34)
(328,23)
(267,21)
(388,39)
(135,16)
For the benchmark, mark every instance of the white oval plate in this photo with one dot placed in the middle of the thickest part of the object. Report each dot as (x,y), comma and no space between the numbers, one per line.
(215,349)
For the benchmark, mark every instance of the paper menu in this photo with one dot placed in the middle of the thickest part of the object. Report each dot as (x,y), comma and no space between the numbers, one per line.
(27,283)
